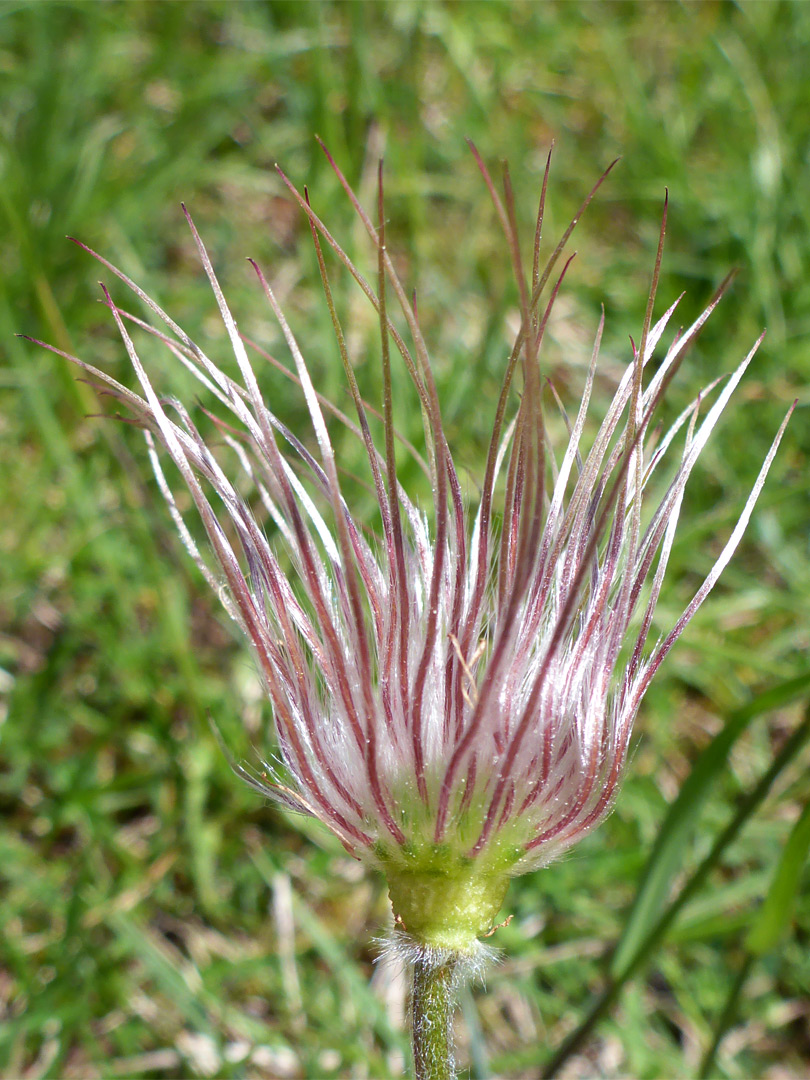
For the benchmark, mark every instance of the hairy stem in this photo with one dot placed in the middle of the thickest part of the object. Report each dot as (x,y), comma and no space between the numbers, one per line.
(432,1002)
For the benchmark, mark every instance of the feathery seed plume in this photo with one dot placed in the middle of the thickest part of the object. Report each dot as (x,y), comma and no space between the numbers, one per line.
(453,699)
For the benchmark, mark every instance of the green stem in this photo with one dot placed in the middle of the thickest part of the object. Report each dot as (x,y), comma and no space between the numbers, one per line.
(432,1002)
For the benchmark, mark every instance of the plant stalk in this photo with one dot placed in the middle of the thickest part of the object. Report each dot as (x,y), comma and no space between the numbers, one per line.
(432,1001)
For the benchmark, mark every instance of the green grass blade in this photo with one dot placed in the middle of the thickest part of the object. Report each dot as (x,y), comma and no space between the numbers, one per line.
(726,1018)
(142,943)
(676,833)
(776,912)
(770,924)
(748,806)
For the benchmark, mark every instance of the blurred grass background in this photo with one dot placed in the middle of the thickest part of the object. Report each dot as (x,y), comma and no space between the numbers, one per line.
(156,919)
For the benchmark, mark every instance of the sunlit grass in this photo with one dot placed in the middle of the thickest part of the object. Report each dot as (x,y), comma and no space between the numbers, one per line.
(147,898)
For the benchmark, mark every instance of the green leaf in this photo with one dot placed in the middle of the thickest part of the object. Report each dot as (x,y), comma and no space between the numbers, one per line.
(668,854)
(777,910)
